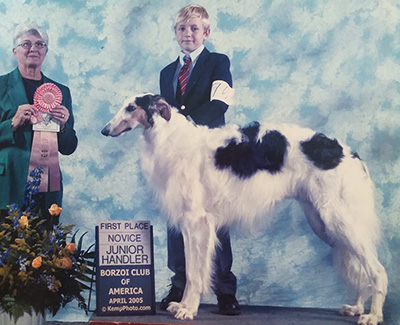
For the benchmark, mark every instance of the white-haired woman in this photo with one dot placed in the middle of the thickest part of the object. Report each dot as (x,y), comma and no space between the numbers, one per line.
(17,90)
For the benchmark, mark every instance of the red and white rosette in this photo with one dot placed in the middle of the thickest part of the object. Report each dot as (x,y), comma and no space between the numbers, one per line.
(46,97)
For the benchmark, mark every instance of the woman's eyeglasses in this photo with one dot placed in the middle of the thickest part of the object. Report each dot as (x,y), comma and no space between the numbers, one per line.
(28,44)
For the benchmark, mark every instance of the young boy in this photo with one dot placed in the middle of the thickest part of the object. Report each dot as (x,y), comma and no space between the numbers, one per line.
(199,84)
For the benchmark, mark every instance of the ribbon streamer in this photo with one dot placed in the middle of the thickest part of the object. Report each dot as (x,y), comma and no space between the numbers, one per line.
(44,153)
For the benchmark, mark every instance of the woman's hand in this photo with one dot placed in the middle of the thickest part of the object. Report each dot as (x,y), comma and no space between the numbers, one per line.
(23,116)
(61,114)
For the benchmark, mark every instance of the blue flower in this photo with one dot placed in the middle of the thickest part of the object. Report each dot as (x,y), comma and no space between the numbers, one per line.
(14,208)
(15,222)
(22,263)
(59,232)
(4,256)
(35,173)
(32,186)
(52,239)
(48,279)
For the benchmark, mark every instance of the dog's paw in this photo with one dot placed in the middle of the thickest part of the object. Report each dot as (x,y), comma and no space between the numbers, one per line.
(369,319)
(184,314)
(352,310)
(180,311)
(173,307)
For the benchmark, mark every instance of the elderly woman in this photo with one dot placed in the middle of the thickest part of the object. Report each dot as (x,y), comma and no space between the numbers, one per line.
(17,90)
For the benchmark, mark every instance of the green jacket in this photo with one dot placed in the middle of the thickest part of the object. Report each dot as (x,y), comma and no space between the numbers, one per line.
(15,147)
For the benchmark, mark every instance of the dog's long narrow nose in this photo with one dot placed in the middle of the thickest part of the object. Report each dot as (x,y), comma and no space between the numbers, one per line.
(105,131)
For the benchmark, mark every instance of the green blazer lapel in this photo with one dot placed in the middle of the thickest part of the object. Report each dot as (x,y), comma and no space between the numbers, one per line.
(16,91)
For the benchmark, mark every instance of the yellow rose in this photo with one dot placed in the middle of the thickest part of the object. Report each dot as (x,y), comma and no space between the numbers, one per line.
(23,221)
(55,210)
(37,262)
(71,248)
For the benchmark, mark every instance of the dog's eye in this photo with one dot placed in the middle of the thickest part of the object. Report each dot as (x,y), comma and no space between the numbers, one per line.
(130,108)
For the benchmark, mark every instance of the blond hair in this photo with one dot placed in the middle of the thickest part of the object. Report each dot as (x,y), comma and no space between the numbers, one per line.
(193,11)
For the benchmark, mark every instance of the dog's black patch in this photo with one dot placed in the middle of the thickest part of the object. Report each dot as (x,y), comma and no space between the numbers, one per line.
(146,103)
(251,155)
(251,131)
(325,153)
(355,155)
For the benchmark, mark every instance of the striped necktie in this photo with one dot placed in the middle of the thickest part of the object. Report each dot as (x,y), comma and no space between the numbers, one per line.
(183,75)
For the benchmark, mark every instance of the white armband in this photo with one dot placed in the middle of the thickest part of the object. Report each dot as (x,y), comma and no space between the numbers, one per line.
(222,91)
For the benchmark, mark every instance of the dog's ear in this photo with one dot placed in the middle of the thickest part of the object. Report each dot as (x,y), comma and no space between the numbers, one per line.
(144,101)
(163,108)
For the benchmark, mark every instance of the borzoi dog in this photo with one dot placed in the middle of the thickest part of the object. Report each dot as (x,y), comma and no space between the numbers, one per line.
(209,178)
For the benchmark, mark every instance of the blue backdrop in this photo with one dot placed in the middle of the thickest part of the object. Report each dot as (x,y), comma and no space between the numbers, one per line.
(332,65)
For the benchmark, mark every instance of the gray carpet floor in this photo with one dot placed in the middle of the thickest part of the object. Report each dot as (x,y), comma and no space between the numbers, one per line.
(251,315)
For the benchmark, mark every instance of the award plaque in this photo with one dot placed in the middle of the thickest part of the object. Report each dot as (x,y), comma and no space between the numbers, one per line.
(125,268)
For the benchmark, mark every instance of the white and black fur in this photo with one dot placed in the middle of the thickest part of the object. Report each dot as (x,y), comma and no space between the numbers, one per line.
(209,178)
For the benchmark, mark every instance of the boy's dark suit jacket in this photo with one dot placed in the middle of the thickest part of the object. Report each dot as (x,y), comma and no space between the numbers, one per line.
(196,101)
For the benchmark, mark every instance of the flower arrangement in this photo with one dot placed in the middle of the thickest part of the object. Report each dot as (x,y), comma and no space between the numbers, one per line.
(39,269)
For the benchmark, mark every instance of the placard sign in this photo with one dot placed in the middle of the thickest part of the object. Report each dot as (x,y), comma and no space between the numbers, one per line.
(125,268)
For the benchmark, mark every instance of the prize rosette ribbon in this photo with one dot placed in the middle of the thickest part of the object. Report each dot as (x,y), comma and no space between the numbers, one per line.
(44,152)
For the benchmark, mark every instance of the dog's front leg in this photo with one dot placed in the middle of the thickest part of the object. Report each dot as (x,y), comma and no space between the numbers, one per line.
(199,239)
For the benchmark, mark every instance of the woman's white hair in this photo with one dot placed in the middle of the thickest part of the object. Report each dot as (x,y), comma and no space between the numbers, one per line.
(29,28)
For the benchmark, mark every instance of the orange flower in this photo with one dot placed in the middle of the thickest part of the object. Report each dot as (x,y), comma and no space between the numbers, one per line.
(23,221)
(64,263)
(71,248)
(37,262)
(55,210)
